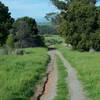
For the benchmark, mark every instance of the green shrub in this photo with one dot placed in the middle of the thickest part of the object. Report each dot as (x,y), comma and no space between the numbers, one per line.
(10,41)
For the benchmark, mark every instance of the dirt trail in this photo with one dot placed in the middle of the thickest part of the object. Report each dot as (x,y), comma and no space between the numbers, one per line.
(50,88)
(75,88)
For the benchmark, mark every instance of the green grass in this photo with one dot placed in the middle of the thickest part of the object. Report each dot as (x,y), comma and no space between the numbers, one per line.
(88,67)
(53,39)
(20,74)
(62,89)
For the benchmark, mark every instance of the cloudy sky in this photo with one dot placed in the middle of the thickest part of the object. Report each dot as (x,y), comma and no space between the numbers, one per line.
(33,8)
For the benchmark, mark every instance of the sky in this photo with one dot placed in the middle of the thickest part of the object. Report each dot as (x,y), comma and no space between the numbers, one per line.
(32,8)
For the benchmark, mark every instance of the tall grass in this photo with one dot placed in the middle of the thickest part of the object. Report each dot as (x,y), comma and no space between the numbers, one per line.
(88,67)
(20,74)
(62,89)
(53,39)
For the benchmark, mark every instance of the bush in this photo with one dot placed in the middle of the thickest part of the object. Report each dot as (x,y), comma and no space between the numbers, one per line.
(38,41)
(10,41)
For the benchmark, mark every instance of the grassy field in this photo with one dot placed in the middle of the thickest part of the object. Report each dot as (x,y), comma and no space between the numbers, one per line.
(20,74)
(62,89)
(88,67)
(53,39)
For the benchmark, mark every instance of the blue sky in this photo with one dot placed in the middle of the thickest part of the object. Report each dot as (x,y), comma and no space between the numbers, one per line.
(33,8)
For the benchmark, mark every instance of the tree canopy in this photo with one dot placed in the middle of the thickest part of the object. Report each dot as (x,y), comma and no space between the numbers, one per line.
(47,29)
(5,23)
(80,23)
(25,33)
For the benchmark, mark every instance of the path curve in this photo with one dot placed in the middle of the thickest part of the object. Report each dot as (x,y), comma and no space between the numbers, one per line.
(75,88)
(50,88)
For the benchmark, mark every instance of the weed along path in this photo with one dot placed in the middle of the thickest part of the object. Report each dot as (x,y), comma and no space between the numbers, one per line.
(50,86)
(75,88)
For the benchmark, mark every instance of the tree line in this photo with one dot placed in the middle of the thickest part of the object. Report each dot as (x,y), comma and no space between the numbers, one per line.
(79,23)
(19,33)
(47,29)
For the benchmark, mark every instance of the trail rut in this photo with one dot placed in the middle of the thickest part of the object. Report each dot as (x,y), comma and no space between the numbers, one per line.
(75,88)
(50,88)
(76,91)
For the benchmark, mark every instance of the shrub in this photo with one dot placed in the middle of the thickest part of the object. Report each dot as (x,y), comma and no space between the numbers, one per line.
(10,41)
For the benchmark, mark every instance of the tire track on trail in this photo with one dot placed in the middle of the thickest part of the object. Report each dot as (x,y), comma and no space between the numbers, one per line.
(51,85)
(75,88)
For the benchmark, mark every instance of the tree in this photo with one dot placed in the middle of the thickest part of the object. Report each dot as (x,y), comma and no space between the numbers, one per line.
(30,21)
(98,18)
(47,29)
(63,4)
(79,23)
(26,33)
(22,33)
(5,23)
(59,4)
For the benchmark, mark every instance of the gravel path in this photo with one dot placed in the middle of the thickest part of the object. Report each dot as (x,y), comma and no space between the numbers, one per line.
(75,87)
(50,89)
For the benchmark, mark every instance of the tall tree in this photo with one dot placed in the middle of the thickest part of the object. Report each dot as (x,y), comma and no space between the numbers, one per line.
(59,4)
(5,23)
(63,4)
(79,23)
(25,32)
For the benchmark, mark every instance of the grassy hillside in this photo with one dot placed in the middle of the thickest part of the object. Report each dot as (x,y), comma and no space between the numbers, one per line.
(88,67)
(53,39)
(20,74)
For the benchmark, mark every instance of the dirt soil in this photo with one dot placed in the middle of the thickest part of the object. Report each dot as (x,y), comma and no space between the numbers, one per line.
(50,88)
